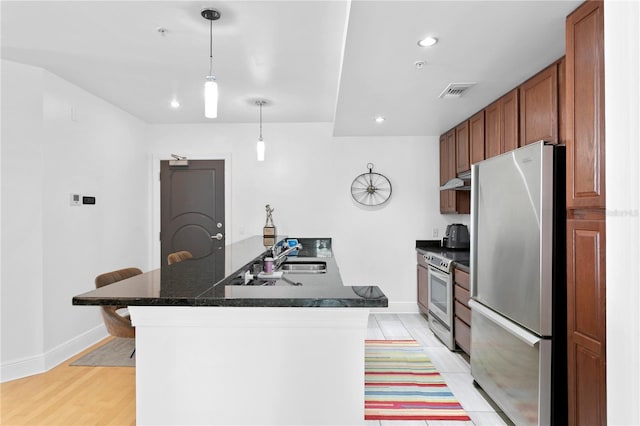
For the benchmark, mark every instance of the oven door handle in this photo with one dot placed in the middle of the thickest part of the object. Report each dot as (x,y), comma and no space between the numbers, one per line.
(438,273)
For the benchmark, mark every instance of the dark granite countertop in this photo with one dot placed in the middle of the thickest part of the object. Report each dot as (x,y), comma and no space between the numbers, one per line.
(201,283)
(459,256)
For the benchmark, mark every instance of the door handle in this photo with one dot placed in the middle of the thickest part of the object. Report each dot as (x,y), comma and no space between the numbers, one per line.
(515,330)
(218,236)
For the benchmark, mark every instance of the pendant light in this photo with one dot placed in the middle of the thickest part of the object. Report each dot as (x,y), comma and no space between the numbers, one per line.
(260,147)
(210,85)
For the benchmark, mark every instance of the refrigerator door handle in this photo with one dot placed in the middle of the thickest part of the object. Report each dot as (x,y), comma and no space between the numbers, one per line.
(473,234)
(512,328)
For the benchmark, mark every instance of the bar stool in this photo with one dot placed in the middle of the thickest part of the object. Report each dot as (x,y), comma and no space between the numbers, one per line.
(116,318)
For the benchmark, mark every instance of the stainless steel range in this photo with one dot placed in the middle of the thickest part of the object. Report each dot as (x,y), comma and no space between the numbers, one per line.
(440,283)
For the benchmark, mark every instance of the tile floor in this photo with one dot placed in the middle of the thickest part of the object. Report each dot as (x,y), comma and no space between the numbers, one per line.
(451,365)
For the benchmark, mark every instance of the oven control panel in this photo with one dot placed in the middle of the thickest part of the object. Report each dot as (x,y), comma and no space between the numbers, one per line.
(438,262)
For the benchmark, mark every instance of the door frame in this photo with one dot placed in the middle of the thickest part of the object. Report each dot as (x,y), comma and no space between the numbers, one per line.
(154,255)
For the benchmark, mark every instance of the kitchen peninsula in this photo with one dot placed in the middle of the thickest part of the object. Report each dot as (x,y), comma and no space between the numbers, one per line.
(219,351)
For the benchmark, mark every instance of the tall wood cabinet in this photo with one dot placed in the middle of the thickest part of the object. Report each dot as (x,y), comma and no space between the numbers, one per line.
(586,238)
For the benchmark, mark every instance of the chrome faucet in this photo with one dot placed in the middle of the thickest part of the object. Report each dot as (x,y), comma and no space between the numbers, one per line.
(278,259)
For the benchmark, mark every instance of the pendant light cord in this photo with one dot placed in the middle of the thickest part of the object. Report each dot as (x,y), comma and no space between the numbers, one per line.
(260,121)
(210,47)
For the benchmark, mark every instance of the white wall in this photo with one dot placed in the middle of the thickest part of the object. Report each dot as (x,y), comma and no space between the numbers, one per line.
(622,115)
(307,177)
(22,203)
(52,251)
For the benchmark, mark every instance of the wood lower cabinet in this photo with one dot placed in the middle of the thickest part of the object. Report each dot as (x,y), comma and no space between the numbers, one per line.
(461,310)
(539,107)
(586,320)
(423,284)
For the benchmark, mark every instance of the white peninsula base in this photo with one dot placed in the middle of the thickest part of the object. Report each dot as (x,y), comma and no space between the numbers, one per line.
(249,365)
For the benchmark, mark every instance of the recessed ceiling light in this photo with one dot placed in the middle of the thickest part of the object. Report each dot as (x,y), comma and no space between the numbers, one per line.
(427,41)
(380,119)
(175,104)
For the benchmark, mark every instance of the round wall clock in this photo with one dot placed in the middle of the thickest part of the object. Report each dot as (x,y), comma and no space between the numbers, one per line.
(371,189)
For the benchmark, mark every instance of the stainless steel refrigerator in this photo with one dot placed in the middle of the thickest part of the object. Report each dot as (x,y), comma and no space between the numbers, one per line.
(518,284)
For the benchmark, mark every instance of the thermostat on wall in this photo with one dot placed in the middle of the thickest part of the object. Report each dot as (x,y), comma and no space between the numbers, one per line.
(75,200)
(88,200)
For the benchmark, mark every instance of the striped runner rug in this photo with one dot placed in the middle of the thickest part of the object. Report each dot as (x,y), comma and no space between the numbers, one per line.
(401,383)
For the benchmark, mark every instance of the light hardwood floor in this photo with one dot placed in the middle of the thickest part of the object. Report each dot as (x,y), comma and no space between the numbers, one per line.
(69,395)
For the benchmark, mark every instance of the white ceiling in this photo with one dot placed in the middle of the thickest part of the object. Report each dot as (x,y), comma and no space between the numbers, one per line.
(313,61)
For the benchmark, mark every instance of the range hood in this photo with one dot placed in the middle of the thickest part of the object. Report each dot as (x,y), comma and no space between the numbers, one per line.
(460,183)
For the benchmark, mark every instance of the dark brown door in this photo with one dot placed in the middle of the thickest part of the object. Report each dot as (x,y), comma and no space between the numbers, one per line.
(192,210)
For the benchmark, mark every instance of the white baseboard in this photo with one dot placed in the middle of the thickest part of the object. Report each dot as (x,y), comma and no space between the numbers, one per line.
(66,350)
(398,308)
(21,368)
(37,364)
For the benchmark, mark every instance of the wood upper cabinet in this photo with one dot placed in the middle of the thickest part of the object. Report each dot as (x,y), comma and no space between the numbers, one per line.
(501,125)
(451,201)
(476,138)
(585,107)
(562,101)
(539,107)
(492,130)
(586,320)
(446,164)
(462,148)
(510,124)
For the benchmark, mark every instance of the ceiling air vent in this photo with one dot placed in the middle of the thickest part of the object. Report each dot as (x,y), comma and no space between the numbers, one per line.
(455,90)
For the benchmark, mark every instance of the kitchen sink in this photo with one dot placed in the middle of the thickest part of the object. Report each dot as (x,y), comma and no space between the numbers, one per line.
(304,267)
